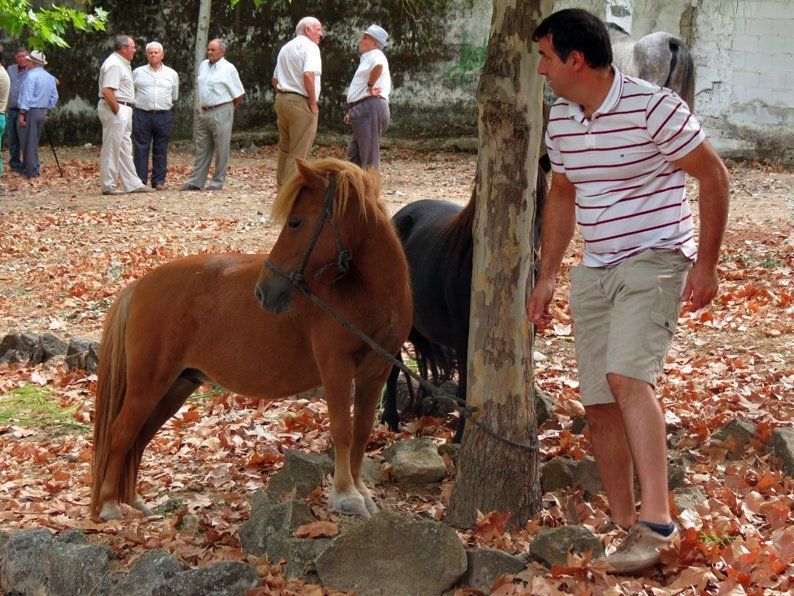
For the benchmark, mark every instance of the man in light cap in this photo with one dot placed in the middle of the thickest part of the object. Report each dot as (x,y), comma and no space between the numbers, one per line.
(37,96)
(368,99)
(296,81)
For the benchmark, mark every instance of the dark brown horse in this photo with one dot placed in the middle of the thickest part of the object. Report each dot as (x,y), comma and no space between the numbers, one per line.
(196,319)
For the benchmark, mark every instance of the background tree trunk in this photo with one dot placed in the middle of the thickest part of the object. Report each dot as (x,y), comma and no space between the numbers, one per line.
(202,33)
(492,475)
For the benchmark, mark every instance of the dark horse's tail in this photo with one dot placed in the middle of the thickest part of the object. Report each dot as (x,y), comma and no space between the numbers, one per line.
(111,387)
(682,72)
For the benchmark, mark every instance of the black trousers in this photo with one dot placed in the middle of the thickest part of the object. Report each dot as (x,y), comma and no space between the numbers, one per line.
(151,130)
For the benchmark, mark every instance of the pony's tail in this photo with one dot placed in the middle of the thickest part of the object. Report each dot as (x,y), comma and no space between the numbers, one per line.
(682,72)
(111,387)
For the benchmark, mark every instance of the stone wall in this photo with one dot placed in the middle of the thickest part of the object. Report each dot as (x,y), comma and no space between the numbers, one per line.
(434,55)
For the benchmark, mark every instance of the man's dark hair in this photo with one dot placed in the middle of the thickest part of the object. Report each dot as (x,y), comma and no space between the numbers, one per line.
(121,41)
(576,29)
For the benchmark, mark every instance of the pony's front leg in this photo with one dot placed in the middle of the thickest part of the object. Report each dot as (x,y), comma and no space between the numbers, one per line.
(365,408)
(338,381)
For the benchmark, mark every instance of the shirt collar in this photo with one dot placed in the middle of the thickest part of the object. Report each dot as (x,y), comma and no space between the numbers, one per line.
(122,58)
(368,53)
(218,63)
(610,102)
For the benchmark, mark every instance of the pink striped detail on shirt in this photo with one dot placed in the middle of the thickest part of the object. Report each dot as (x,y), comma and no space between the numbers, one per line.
(632,198)
(630,215)
(636,232)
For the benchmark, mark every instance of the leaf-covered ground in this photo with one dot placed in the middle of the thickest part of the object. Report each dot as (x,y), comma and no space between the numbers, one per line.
(66,250)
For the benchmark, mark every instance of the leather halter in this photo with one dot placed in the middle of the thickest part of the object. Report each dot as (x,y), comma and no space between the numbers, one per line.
(344,256)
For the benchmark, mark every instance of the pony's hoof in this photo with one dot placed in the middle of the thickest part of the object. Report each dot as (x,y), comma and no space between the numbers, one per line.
(140,505)
(369,502)
(350,504)
(110,511)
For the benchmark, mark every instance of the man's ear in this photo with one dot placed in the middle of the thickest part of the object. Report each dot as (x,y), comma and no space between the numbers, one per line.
(576,60)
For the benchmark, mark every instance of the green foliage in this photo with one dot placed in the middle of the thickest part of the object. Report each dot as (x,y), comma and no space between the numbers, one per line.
(31,405)
(46,26)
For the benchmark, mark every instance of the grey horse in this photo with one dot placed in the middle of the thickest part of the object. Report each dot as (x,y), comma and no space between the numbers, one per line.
(660,58)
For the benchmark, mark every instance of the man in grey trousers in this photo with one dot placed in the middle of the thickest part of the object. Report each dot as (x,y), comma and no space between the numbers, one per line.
(38,95)
(368,99)
(219,90)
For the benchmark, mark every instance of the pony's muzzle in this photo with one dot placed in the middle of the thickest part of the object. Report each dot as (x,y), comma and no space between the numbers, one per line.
(274,294)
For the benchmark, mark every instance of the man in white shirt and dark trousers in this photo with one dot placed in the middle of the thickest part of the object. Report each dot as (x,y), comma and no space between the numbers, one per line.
(296,81)
(116,99)
(368,99)
(156,90)
(220,91)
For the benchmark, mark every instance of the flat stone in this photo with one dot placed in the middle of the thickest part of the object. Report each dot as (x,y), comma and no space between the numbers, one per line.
(78,353)
(676,475)
(4,536)
(394,556)
(370,472)
(301,473)
(48,346)
(578,424)
(415,462)
(450,449)
(586,476)
(736,434)
(689,497)
(230,578)
(153,570)
(22,570)
(486,565)
(300,554)
(79,569)
(544,405)
(72,536)
(269,527)
(551,545)
(10,341)
(27,344)
(557,473)
(782,447)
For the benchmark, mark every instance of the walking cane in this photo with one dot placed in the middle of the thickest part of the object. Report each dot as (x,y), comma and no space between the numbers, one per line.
(49,138)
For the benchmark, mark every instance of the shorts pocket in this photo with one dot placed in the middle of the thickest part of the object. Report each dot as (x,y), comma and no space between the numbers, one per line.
(665,321)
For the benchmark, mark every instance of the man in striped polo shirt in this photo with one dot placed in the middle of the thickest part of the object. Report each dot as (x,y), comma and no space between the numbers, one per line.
(620,149)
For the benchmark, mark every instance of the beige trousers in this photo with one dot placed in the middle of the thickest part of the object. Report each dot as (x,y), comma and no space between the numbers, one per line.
(115,159)
(213,138)
(296,129)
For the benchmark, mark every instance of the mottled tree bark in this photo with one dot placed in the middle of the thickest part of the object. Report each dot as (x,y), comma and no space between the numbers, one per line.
(492,475)
(202,33)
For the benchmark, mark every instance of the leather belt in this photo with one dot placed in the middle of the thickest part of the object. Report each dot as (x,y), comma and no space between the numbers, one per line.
(152,111)
(217,105)
(125,103)
(292,93)
(355,103)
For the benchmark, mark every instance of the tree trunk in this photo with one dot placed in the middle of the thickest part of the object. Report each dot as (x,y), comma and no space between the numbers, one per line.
(202,33)
(493,475)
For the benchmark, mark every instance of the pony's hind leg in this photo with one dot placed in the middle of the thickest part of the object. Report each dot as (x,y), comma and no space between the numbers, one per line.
(118,485)
(176,396)
(390,414)
(365,407)
(337,382)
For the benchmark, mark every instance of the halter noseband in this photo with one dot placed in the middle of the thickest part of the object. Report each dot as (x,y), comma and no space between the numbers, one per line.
(343,256)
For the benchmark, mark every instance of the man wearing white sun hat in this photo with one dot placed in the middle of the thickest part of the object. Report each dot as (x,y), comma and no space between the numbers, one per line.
(368,99)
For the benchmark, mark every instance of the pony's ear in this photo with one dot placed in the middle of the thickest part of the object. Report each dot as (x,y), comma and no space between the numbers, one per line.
(310,178)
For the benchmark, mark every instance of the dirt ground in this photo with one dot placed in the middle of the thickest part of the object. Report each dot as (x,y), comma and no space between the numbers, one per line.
(66,251)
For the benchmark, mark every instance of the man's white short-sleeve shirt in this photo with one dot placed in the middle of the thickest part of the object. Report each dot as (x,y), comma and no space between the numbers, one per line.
(296,57)
(115,73)
(358,86)
(629,195)
(155,89)
(218,83)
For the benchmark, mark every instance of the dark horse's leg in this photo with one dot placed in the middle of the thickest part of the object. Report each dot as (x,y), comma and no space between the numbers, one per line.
(365,406)
(390,414)
(461,393)
(176,396)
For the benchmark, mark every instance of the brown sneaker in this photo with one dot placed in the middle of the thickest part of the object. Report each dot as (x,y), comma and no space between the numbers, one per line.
(639,550)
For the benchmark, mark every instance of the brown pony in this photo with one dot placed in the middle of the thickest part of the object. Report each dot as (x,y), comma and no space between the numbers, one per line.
(196,319)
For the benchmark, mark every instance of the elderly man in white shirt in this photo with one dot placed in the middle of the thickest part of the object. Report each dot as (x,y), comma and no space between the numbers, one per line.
(296,81)
(219,91)
(368,99)
(116,99)
(156,90)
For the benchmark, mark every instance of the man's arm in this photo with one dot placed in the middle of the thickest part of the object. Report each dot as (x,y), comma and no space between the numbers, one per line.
(109,95)
(308,84)
(274,80)
(374,75)
(237,100)
(705,165)
(557,229)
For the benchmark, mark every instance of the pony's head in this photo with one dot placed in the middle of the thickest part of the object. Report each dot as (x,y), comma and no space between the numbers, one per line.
(327,209)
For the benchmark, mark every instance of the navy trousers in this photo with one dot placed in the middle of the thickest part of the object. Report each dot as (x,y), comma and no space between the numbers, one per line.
(151,130)
(15,161)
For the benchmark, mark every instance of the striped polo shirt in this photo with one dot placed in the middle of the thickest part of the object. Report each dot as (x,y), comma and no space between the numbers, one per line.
(629,196)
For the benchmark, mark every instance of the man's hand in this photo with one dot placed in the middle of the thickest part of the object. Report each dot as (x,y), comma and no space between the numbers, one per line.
(701,286)
(313,107)
(347,118)
(539,303)
(375,90)
(21,120)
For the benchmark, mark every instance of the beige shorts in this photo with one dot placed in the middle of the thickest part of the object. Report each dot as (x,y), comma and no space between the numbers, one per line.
(624,318)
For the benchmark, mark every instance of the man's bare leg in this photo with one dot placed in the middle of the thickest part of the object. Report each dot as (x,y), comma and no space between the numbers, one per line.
(613,458)
(645,431)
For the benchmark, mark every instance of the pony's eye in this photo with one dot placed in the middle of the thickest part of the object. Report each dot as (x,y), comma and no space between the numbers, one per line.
(294,223)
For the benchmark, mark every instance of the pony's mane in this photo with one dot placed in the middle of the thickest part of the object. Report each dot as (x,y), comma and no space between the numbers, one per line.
(351,183)
(459,230)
